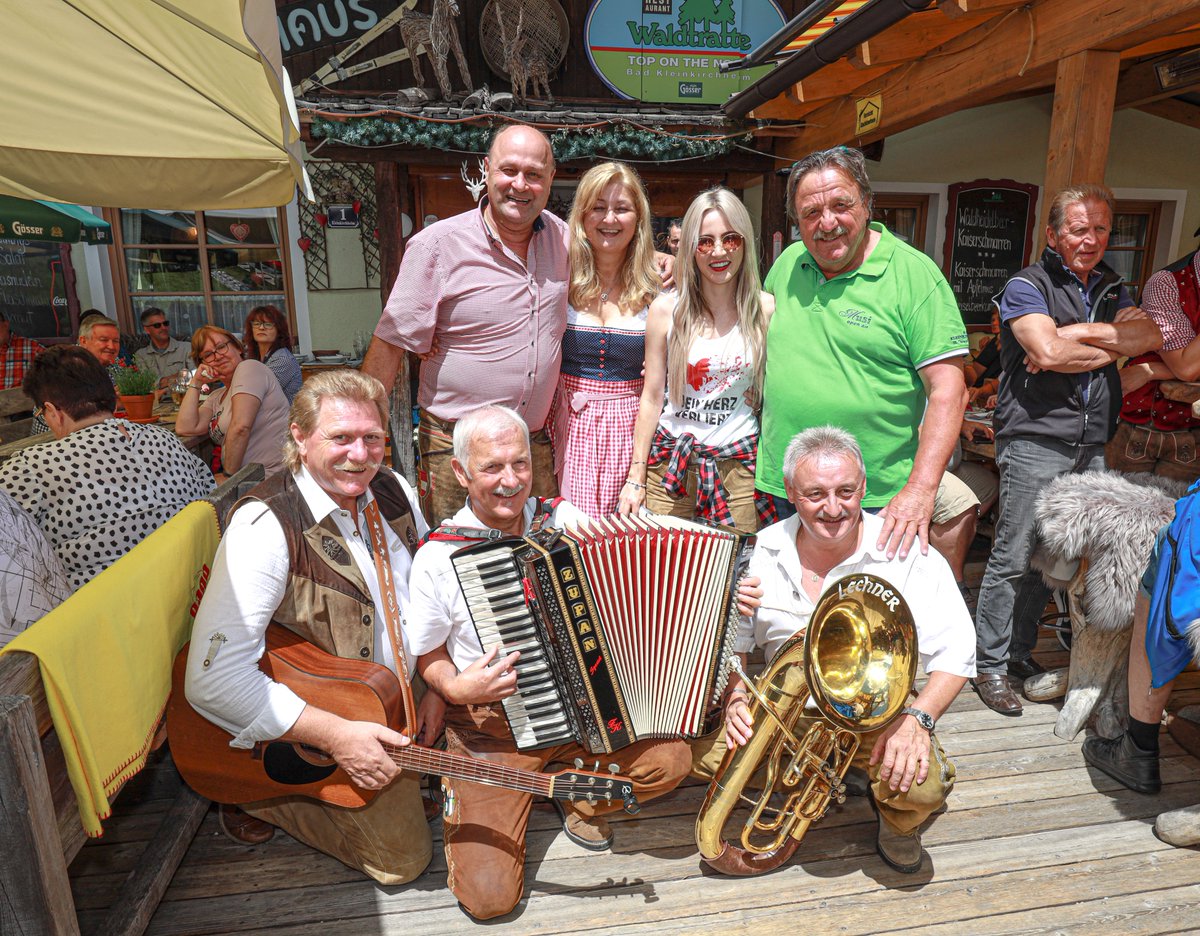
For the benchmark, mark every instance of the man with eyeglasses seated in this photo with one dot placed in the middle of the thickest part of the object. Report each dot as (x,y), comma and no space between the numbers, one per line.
(866,335)
(164,356)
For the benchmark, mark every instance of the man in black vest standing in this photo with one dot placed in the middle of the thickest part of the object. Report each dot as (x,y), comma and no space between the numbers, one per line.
(1064,322)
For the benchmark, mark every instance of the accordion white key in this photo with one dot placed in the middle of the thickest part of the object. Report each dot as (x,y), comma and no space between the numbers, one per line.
(625,625)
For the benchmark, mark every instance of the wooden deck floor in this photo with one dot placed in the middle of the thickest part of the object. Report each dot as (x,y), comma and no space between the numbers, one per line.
(1032,841)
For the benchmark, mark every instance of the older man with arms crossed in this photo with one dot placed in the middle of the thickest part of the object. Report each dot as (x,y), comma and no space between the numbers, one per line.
(1064,322)
(311,550)
(828,539)
(866,333)
(485,826)
(482,297)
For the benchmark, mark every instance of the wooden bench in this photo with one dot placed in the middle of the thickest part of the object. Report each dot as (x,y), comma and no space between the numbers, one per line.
(12,402)
(40,830)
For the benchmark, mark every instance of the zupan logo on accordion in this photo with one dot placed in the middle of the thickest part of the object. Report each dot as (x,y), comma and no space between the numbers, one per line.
(876,588)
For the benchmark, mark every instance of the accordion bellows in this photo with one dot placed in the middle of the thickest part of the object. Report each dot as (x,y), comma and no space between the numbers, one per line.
(625,625)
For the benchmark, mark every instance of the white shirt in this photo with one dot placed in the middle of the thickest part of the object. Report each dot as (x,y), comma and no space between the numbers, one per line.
(32,580)
(248,581)
(945,631)
(437,611)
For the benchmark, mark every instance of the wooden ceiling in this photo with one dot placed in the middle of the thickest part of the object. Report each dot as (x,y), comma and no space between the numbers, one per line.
(963,53)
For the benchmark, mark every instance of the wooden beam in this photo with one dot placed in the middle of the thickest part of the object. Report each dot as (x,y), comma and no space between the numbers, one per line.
(391,193)
(784,107)
(1139,85)
(1178,111)
(1186,39)
(837,79)
(1081,122)
(912,37)
(991,62)
(954,8)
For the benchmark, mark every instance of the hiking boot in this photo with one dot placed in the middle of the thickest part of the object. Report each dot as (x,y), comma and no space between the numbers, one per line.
(592,833)
(900,850)
(1125,762)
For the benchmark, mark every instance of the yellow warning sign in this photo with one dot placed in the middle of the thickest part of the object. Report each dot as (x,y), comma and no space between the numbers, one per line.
(868,112)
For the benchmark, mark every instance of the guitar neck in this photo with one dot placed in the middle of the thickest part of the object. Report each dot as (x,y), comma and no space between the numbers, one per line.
(420,759)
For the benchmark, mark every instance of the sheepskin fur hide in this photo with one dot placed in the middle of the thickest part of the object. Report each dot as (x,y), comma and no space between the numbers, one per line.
(1112,519)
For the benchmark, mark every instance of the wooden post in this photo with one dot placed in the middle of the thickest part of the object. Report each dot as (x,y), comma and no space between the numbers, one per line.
(774,214)
(391,191)
(35,895)
(1085,89)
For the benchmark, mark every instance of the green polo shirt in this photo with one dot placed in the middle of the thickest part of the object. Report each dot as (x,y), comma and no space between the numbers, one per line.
(846,352)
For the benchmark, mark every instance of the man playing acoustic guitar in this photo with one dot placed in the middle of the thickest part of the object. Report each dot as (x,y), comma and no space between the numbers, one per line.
(323,549)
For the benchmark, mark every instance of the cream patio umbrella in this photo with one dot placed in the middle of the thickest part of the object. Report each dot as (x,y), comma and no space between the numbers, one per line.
(128,103)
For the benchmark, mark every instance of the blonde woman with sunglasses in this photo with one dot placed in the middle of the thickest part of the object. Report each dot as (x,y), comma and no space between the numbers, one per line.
(696,434)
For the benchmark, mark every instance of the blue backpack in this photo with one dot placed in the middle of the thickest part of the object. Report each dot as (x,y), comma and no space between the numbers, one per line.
(1175,601)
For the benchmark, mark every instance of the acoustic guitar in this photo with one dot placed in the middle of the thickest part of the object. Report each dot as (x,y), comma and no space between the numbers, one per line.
(354,689)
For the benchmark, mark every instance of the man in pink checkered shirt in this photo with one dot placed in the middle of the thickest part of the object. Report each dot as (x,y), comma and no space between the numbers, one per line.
(1156,434)
(482,298)
(16,354)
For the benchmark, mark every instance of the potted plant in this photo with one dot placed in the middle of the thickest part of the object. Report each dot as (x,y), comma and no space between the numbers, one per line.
(136,390)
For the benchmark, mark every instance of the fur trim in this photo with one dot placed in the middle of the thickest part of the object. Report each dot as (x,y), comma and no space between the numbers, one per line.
(1112,518)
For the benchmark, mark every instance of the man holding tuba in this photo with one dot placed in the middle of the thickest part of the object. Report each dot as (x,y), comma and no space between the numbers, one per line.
(832,539)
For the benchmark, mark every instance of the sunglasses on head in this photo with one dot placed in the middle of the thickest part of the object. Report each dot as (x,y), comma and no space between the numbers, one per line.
(730,242)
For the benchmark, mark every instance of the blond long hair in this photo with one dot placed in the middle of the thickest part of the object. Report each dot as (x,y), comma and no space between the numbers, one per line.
(691,312)
(639,281)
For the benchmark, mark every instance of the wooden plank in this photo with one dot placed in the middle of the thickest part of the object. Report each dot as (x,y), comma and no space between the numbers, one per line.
(1081,122)
(913,37)
(1176,111)
(33,877)
(967,7)
(1139,85)
(14,400)
(970,70)
(842,77)
(1184,39)
(145,886)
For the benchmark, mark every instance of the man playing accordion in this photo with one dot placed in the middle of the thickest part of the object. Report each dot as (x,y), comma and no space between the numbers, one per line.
(829,538)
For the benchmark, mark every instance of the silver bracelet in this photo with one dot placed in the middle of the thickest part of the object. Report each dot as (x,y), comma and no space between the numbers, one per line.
(635,485)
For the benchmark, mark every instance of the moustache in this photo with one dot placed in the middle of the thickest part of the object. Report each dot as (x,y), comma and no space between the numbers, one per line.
(839,231)
(358,466)
(501,491)
(832,518)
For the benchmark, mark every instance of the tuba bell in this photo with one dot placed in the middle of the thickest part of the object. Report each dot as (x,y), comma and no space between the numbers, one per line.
(856,662)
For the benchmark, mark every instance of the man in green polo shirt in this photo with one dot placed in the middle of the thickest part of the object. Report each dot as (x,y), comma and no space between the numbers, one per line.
(867,336)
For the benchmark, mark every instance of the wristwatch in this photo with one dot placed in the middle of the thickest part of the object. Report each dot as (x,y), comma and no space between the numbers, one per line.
(924,719)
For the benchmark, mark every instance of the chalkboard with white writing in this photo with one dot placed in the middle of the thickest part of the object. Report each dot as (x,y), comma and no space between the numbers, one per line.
(989,234)
(34,288)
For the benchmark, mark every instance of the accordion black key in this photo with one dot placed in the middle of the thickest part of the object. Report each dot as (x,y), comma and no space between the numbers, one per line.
(625,625)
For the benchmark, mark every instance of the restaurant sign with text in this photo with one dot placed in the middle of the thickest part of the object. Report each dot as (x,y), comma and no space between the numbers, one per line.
(669,51)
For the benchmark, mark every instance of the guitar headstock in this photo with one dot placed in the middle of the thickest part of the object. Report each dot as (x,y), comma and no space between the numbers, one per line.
(594,786)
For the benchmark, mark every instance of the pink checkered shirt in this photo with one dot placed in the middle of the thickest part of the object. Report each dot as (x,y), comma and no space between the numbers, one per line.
(1160,301)
(497,321)
(15,359)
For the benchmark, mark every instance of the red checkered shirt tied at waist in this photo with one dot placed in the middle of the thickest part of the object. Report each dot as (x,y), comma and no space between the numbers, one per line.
(712,501)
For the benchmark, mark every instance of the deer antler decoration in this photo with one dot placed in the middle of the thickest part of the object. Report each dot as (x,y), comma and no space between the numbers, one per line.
(475,186)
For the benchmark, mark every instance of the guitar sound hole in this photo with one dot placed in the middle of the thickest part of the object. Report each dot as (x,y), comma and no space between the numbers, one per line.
(284,764)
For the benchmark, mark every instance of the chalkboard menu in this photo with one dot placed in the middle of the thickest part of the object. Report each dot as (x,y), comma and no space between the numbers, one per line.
(34,289)
(989,234)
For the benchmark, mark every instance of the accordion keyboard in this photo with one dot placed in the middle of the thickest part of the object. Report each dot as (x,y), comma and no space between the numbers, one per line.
(495,597)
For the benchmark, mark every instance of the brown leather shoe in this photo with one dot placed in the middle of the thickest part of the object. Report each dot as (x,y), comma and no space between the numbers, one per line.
(242,827)
(593,833)
(997,693)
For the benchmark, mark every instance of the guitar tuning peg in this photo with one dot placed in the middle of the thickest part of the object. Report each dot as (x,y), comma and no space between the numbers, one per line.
(591,798)
(579,763)
(596,767)
(614,768)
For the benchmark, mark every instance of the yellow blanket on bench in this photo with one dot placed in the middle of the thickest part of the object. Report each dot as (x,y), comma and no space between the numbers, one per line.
(106,654)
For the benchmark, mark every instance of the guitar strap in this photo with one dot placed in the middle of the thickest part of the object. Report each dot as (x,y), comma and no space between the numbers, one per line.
(391,608)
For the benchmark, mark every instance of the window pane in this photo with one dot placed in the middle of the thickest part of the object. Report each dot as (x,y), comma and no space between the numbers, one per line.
(1129,230)
(152,270)
(245,226)
(1126,262)
(245,269)
(231,311)
(185,313)
(900,221)
(145,226)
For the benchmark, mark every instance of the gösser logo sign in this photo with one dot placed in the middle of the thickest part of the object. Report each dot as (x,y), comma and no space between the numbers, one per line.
(670,50)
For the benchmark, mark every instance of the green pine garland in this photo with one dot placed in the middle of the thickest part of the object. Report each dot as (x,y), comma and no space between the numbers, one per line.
(615,140)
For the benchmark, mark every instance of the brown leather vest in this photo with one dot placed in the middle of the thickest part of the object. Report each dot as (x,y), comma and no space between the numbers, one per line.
(327,601)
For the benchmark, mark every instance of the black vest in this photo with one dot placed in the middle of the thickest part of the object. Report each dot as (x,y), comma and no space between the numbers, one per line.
(1049,404)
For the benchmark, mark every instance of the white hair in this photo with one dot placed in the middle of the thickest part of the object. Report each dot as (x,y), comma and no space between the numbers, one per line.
(817,441)
(486,417)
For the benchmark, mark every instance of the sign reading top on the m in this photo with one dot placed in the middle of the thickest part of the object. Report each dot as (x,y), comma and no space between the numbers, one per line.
(670,50)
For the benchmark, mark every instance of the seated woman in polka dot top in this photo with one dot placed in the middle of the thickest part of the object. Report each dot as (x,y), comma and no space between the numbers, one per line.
(104,484)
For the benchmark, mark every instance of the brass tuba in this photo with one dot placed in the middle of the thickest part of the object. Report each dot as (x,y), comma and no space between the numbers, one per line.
(857,663)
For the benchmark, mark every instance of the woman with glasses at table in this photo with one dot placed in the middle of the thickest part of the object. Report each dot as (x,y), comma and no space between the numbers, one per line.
(267,339)
(694,451)
(247,417)
(613,280)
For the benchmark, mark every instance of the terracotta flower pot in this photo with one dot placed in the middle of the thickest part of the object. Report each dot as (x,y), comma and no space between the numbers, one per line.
(138,407)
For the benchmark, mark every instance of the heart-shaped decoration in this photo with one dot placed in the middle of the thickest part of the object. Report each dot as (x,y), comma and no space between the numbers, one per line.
(305,243)
(322,219)
(240,230)
(357,205)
